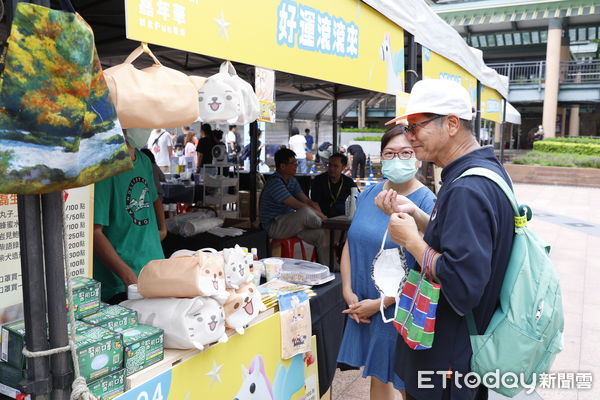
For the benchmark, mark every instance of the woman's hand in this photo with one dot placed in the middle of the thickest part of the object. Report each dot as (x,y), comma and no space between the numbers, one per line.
(350,298)
(363,310)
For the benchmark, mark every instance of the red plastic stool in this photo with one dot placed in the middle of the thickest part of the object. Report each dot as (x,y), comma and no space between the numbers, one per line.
(288,245)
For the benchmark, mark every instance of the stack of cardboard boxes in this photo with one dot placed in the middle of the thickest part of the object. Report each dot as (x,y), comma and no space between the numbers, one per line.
(110,344)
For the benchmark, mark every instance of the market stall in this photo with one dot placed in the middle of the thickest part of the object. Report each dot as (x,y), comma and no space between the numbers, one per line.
(305,43)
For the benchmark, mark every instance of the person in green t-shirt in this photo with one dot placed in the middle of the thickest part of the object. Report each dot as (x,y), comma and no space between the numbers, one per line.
(129,224)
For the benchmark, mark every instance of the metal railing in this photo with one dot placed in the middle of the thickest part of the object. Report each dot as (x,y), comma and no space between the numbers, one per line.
(580,72)
(534,72)
(522,72)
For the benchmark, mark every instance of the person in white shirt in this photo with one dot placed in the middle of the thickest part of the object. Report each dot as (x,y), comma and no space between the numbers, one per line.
(231,143)
(161,145)
(297,144)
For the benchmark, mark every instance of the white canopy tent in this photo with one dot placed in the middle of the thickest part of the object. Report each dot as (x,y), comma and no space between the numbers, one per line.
(431,31)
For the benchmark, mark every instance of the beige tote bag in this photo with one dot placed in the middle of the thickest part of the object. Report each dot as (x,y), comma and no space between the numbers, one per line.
(188,276)
(153,97)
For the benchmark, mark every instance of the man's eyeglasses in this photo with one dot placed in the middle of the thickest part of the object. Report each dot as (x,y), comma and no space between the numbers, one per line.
(411,128)
(403,155)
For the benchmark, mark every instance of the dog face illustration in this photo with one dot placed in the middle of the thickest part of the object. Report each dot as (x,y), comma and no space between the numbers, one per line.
(243,306)
(218,101)
(212,276)
(237,269)
(207,325)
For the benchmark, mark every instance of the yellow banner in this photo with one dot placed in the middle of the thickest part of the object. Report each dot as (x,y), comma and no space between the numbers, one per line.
(401,103)
(248,366)
(491,104)
(438,67)
(345,41)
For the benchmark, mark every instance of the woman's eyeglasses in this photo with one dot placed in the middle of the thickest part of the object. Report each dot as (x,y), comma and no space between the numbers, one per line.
(403,155)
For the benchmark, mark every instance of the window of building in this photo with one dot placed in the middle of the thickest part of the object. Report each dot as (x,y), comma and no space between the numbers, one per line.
(592,33)
(517,37)
(573,35)
(535,37)
(482,41)
(500,39)
(475,41)
(544,36)
(508,40)
(582,34)
(491,40)
(526,37)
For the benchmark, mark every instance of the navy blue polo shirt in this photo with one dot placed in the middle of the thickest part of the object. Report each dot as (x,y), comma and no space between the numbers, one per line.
(472,226)
(275,192)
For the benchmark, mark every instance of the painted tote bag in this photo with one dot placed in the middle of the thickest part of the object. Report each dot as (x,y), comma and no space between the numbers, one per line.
(58,128)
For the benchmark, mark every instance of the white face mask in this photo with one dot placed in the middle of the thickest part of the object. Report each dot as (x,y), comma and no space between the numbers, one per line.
(389,271)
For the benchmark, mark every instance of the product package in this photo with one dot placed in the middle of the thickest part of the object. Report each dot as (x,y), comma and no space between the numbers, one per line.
(109,386)
(99,352)
(11,376)
(114,318)
(13,341)
(143,347)
(86,296)
(187,323)
(296,327)
(243,306)
(192,276)
(237,268)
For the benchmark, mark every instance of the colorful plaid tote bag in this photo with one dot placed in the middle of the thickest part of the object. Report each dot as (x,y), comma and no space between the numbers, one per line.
(415,311)
(58,127)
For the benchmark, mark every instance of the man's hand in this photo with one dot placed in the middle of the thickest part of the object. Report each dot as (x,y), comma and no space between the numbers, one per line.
(403,229)
(315,206)
(130,279)
(389,201)
(363,310)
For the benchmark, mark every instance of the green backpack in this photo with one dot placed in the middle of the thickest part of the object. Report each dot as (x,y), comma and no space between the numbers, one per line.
(526,331)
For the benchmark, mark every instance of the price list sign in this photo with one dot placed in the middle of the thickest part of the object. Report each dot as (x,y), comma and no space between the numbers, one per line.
(78,227)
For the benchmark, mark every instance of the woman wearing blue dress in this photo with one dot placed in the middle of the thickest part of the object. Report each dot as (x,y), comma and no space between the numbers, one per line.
(368,341)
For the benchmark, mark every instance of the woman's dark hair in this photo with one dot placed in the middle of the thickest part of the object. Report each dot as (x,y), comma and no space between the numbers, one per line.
(218,134)
(392,132)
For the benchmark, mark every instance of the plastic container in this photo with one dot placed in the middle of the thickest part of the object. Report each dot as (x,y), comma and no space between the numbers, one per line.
(273,268)
(132,293)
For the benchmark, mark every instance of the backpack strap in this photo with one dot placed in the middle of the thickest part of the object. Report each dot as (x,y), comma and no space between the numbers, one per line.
(520,221)
(471,324)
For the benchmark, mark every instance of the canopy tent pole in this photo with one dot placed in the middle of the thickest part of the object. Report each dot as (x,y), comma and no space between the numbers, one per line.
(334,120)
(477,125)
(52,217)
(253,155)
(411,74)
(253,169)
(34,295)
(502,128)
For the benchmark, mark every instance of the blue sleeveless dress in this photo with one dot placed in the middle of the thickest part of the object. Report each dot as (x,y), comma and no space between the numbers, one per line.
(373,345)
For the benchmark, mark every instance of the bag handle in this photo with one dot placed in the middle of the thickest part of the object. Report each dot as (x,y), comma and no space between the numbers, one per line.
(227,67)
(67,6)
(138,52)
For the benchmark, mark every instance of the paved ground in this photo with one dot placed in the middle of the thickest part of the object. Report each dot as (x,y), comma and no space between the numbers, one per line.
(568,218)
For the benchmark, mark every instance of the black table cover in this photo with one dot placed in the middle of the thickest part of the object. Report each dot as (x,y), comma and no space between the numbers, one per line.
(328,325)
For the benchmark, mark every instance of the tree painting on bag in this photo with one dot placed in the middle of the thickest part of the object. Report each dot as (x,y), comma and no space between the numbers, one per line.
(58,128)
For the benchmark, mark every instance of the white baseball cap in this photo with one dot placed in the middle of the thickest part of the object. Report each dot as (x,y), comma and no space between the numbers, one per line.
(438,96)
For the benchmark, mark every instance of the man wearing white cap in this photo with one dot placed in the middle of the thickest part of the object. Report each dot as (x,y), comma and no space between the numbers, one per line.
(466,241)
